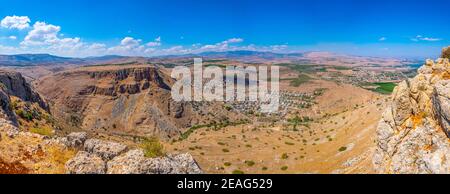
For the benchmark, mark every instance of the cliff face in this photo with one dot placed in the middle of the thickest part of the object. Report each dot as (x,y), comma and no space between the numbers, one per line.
(13,84)
(123,100)
(413,135)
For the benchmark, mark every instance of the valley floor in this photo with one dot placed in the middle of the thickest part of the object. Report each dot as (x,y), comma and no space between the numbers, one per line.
(342,142)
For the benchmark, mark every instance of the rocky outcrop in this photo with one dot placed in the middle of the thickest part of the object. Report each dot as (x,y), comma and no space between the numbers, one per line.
(100,157)
(446,53)
(136,79)
(441,104)
(104,149)
(413,134)
(134,162)
(86,163)
(14,84)
(75,140)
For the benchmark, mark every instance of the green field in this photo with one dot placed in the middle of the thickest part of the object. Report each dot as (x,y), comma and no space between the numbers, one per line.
(304,68)
(301,79)
(384,87)
(216,65)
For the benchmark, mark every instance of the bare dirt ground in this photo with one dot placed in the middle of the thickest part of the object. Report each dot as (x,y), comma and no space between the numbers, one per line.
(339,140)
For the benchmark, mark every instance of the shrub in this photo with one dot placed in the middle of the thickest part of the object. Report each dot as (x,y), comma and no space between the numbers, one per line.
(221,143)
(342,149)
(227,107)
(152,147)
(238,172)
(227,164)
(250,163)
(284,168)
(25,115)
(284,156)
(289,143)
(225,150)
(46,131)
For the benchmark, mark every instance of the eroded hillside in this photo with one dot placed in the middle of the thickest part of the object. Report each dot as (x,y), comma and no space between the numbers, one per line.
(130,100)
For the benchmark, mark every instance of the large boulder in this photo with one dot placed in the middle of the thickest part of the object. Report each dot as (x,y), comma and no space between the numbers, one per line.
(134,162)
(172,164)
(128,163)
(75,140)
(105,149)
(86,163)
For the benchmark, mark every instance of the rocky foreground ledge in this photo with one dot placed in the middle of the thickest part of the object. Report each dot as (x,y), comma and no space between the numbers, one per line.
(100,157)
(413,134)
(96,156)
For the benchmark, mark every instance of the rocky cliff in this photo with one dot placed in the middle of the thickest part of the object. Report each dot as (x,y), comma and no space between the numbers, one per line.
(413,135)
(14,84)
(123,100)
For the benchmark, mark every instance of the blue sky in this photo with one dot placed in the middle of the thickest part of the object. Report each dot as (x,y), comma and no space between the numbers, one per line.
(398,28)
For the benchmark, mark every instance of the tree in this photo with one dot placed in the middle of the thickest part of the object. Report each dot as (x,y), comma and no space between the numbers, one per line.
(295,122)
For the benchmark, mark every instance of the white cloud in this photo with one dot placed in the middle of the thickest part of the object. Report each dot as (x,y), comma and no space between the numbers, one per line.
(42,34)
(422,38)
(128,46)
(43,37)
(233,40)
(156,42)
(382,39)
(129,42)
(278,47)
(9,49)
(15,22)
(9,37)
(222,46)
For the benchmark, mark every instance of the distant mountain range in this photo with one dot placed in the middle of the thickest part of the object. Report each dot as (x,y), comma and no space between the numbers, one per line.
(35,59)
(23,60)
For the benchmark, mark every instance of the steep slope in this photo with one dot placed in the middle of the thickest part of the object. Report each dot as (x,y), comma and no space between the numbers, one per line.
(413,135)
(123,100)
(13,84)
(29,144)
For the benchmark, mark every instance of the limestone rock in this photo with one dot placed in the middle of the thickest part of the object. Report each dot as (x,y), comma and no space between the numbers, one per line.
(412,136)
(105,149)
(128,163)
(86,163)
(134,162)
(446,53)
(14,83)
(75,140)
(441,104)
